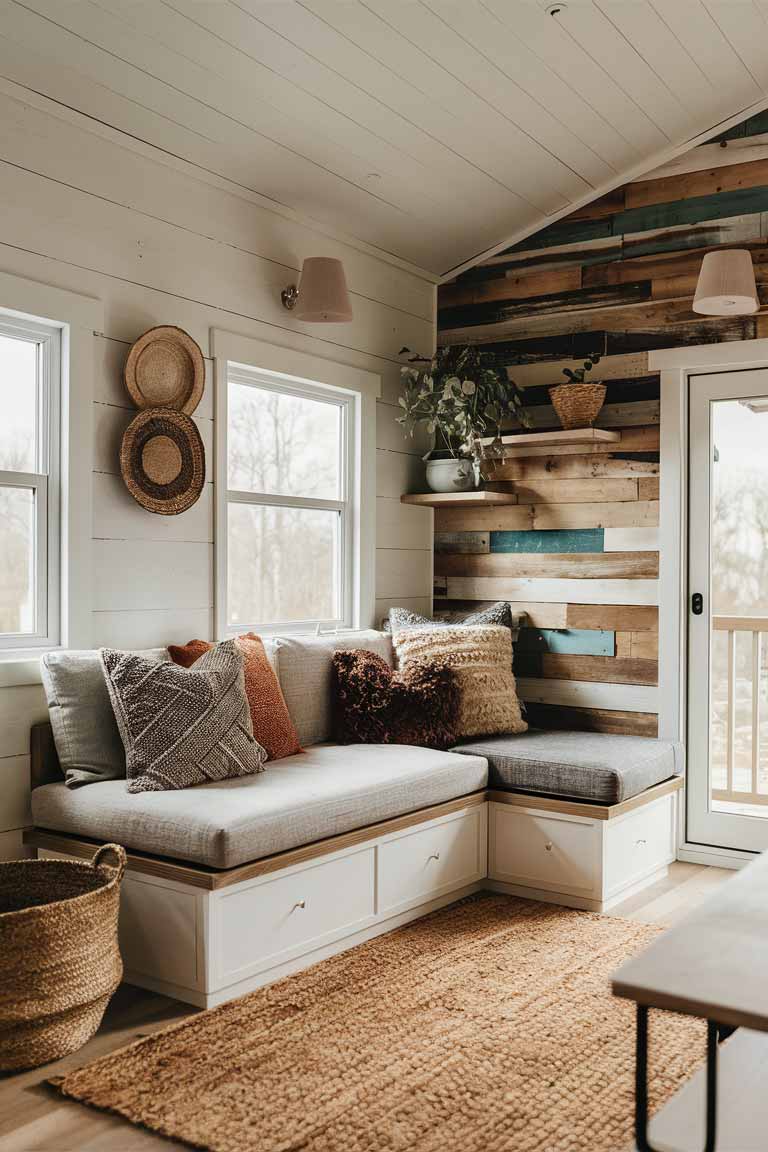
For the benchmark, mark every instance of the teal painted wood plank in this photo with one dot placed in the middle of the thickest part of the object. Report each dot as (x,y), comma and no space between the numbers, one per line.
(550,540)
(752,126)
(741,201)
(591,252)
(564,231)
(707,234)
(571,641)
(718,205)
(612,296)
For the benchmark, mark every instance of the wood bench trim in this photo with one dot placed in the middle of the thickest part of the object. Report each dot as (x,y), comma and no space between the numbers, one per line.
(200,876)
(583,807)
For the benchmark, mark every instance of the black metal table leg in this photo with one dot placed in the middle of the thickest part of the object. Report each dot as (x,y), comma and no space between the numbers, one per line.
(641,1084)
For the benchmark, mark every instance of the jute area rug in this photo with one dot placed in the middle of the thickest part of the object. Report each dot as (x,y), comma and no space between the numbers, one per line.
(486,1027)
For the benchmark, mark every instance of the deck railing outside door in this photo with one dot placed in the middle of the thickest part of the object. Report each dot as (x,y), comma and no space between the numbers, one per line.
(736,777)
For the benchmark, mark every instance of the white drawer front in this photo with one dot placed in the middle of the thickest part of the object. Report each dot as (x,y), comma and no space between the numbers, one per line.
(272,920)
(418,865)
(554,852)
(158,932)
(639,843)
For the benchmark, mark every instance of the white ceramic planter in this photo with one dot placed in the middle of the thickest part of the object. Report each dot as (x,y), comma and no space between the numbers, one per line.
(450,475)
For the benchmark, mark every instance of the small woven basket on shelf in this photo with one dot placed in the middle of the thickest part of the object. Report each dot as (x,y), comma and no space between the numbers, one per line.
(59,955)
(577,405)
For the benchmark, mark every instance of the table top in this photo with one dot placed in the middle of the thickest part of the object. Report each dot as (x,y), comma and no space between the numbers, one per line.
(714,962)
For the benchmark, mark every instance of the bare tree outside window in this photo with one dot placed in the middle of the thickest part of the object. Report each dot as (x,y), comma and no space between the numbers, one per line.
(285,552)
(18,450)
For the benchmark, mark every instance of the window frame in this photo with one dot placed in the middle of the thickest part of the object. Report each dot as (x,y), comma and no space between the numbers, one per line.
(314,362)
(44,483)
(347,403)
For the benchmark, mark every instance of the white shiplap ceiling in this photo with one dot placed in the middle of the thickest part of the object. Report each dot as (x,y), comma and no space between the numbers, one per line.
(434,130)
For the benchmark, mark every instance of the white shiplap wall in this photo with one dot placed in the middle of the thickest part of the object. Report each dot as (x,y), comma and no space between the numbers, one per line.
(162,242)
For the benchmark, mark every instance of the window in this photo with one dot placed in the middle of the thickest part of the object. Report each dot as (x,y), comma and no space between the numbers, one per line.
(289,527)
(30,377)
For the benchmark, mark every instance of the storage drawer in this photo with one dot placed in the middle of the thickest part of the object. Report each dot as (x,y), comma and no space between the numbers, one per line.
(556,852)
(422,864)
(265,922)
(639,843)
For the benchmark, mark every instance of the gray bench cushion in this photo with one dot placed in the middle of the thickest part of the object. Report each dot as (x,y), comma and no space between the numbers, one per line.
(324,791)
(583,765)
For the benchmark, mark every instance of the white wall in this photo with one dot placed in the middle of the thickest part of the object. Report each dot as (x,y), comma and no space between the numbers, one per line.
(87,209)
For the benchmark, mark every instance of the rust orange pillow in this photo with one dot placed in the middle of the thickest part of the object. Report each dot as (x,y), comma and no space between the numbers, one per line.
(272,724)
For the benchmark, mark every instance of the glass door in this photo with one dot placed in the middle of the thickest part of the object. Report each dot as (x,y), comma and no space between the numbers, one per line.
(728,611)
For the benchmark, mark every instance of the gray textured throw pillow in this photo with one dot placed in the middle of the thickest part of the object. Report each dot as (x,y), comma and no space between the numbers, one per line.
(182,726)
(84,729)
(498,613)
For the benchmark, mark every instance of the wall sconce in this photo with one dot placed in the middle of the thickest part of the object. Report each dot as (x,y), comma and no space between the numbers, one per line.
(726,285)
(321,297)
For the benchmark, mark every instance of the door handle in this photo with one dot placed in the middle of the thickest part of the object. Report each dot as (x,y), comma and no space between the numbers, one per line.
(697,604)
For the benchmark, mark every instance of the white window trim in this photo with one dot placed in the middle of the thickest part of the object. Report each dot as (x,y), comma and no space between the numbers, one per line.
(78,318)
(677,366)
(306,371)
(44,483)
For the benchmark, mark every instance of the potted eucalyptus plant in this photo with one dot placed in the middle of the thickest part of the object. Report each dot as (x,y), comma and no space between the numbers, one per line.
(463,402)
(578,402)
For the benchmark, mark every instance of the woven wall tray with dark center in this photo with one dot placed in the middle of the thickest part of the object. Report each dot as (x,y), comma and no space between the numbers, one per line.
(162,461)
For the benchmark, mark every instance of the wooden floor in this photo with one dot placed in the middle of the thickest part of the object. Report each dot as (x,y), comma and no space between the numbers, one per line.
(35,1119)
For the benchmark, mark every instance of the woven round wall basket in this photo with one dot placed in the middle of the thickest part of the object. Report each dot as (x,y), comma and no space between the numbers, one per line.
(577,405)
(165,369)
(59,955)
(162,459)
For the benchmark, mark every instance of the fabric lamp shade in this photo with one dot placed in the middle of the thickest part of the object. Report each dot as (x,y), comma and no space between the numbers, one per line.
(726,284)
(323,296)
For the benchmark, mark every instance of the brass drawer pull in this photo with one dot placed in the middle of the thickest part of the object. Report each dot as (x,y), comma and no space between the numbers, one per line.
(549,846)
(299,904)
(434,856)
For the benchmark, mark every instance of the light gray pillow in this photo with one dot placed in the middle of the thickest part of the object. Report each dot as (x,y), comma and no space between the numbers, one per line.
(84,729)
(305,672)
(499,613)
(182,726)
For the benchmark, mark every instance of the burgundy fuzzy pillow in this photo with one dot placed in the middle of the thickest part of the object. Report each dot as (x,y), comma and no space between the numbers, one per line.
(374,705)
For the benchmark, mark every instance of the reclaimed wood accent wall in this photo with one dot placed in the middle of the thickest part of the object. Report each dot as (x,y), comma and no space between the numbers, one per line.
(579,550)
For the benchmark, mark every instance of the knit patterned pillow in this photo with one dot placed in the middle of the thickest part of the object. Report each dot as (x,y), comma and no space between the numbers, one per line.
(480,658)
(374,705)
(182,727)
(272,724)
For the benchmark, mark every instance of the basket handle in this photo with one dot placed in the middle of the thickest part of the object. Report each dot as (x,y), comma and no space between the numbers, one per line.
(112,869)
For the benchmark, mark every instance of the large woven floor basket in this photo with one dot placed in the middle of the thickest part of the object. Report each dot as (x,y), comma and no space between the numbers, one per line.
(59,956)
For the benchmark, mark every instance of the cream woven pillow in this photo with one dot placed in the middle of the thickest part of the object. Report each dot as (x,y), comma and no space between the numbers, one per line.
(481,659)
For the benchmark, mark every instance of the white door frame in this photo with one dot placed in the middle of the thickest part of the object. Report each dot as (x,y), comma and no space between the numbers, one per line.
(677,366)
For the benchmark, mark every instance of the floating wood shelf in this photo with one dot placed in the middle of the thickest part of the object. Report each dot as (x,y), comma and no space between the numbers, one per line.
(561,436)
(478,499)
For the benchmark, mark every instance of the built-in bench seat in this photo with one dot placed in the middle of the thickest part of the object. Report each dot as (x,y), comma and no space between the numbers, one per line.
(591,766)
(322,792)
(233,884)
